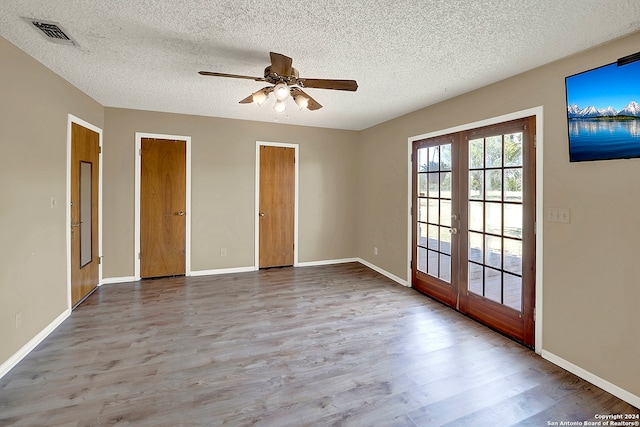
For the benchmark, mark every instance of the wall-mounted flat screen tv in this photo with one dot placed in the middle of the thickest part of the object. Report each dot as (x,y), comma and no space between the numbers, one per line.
(603,113)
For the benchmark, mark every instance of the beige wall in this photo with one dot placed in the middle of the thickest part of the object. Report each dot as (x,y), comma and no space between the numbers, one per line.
(223,156)
(591,269)
(34,104)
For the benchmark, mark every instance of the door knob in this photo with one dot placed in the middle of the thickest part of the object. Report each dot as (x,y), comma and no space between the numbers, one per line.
(261,214)
(453,230)
(76,225)
(180,213)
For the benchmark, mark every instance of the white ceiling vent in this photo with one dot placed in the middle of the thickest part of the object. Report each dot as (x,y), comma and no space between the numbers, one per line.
(51,31)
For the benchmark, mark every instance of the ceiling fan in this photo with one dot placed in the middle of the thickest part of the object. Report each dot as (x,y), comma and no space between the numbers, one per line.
(286,82)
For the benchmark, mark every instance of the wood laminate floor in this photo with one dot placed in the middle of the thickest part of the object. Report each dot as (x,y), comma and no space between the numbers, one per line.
(329,345)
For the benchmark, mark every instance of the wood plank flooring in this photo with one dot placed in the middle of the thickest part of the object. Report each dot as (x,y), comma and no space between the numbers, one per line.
(329,345)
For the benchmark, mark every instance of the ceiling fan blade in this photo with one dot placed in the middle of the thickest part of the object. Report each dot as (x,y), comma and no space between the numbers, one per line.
(247,100)
(312,104)
(281,64)
(350,85)
(234,76)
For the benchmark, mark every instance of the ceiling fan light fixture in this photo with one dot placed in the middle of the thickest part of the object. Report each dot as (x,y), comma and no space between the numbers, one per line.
(281,91)
(259,97)
(301,101)
(280,106)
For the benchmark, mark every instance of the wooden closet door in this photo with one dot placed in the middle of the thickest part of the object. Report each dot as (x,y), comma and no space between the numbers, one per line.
(162,208)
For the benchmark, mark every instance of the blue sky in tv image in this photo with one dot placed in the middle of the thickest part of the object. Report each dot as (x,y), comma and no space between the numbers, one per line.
(607,86)
(603,111)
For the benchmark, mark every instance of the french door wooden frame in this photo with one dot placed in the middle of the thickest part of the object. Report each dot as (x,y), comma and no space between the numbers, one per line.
(452,289)
(71,121)
(138,147)
(257,200)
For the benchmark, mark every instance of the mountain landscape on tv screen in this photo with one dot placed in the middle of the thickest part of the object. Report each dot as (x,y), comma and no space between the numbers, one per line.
(632,110)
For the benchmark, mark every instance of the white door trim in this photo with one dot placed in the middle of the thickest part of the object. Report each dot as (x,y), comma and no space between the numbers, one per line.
(136,229)
(538,113)
(70,120)
(257,201)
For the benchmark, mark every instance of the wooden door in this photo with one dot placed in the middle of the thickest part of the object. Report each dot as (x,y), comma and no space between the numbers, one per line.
(277,206)
(85,258)
(474,216)
(435,264)
(498,243)
(162,208)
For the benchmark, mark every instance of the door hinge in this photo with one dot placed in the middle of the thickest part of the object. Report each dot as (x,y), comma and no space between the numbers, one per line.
(99,149)
(139,255)
(411,264)
(535,141)
(534,314)
(99,260)
(535,227)
(139,151)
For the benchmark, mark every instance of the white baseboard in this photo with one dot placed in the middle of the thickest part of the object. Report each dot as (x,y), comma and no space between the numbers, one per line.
(222,271)
(385,273)
(327,262)
(33,343)
(621,393)
(111,280)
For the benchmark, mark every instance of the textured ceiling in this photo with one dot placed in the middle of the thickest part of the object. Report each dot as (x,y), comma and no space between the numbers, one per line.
(405,54)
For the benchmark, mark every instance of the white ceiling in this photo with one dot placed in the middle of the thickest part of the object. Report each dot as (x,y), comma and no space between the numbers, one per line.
(404,54)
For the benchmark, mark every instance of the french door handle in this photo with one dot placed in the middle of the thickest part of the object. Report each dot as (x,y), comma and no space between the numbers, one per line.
(76,225)
(453,230)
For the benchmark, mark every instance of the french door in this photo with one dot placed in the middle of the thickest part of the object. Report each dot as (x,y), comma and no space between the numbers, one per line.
(473,224)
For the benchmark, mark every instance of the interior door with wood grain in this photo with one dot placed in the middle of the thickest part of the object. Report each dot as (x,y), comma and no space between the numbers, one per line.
(85,258)
(277,206)
(162,208)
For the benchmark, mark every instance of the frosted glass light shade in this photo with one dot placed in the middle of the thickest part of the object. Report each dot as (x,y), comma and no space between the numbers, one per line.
(281,91)
(301,101)
(259,97)
(280,106)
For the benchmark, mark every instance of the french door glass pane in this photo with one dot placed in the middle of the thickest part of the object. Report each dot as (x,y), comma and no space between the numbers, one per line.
(422,210)
(476,216)
(476,247)
(493,185)
(493,152)
(513,185)
(476,154)
(495,219)
(513,149)
(445,212)
(476,185)
(434,211)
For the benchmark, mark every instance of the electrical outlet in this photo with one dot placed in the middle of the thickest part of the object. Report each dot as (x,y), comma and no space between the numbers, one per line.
(18,319)
(223,252)
(375,250)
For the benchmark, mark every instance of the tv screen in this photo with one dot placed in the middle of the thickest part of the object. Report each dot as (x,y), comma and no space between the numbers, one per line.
(603,113)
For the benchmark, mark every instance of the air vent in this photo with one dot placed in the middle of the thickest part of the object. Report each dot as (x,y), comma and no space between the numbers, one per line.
(51,31)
